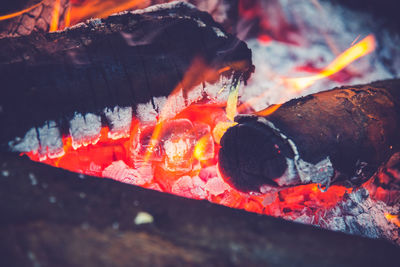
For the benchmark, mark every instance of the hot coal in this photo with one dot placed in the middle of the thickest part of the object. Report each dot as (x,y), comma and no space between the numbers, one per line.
(339,136)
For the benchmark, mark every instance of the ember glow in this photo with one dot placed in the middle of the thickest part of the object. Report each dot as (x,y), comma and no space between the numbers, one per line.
(183,162)
(82,10)
(55,16)
(393,219)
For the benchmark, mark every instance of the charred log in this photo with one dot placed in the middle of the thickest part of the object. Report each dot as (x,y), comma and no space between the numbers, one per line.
(51,217)
(31,15)
(339,136)
(124,60)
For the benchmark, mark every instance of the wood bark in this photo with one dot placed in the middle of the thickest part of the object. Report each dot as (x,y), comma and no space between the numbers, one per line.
(52,217)
(355,127)
(123,60)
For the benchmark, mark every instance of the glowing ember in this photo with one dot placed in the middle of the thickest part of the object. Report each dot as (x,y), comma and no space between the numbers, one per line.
(55,16)
(183,162)
(86,9)
(393,219)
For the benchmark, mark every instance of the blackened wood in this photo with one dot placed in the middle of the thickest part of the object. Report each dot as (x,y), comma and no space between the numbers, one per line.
(38,16)
(123,60)
(53,217)
(356,127)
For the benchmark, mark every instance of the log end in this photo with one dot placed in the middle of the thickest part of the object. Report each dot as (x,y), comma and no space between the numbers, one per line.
(253,157)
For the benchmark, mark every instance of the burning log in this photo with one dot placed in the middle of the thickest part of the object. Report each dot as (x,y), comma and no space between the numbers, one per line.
(52,217)
(339,136)
(24,16)
(127,60)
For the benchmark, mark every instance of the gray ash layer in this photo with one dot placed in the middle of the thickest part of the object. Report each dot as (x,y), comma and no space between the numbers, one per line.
(359,214)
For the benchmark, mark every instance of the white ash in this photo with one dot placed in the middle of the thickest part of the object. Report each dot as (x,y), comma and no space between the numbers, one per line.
(289,177)
(50,140)
(85,129)
(28,143)
(171,5)
(146,112)
(320,173)
(45,140)
(218,92)
(359,214)
(119,120)
(162,108)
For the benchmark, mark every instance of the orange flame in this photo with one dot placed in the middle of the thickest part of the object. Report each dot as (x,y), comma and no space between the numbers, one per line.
(103,8)
(269,110)
(364,47)
(67,18)
(18,13)
(55,17)
(393,219)
(201,148)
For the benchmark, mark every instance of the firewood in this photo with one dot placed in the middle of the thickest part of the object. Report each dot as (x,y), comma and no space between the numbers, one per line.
(125,60)
(339,136)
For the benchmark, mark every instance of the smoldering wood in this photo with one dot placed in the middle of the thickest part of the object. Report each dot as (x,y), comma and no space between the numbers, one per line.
(224,12)
(38,17)
(123,60)
(355,127)
(53,217)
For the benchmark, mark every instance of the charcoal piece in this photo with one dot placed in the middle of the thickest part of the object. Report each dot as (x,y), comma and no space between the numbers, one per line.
(339,136)
(52,217)
(124,60)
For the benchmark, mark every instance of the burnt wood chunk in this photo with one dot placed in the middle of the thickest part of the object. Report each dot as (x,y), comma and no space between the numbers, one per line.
(51,217)
(339,136)
(124,60)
